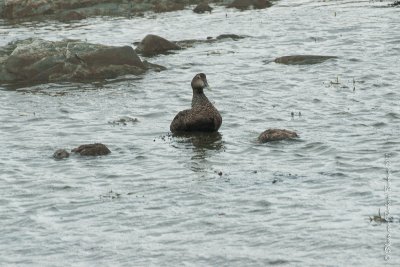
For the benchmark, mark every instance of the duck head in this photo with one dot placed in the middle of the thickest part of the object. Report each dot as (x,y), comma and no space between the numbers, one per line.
(199,82)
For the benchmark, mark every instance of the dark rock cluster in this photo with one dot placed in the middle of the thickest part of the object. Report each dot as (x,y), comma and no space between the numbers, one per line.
(66,10)
(96,149)
(41,61)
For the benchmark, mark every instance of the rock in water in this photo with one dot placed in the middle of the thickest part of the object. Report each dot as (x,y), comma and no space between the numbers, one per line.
(60,154)
(168,7)
(153,44)
(261,4)
(302,59)
(78,9)
(41,61)
(71,15)
(92,150)
(276,135)
(202,8)
(231,36)
(246,4)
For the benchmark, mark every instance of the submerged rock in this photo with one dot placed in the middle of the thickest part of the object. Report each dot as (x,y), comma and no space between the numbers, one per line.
(231,36)
(302,59)
(96,149)
(276,135)
(246,4)
(168,6)
(60,154)
(41,61)
(202,8)
(154,44)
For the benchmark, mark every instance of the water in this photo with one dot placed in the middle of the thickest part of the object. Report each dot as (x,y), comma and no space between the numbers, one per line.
(226,200)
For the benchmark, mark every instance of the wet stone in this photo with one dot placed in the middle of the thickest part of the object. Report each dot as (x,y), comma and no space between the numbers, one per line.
(40,61)
(302,59)
(153,45)
(96,149)
(271,135)
(60,154)
(202,8)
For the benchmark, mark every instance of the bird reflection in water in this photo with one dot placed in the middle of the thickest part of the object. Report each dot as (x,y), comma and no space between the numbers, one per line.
(203,144)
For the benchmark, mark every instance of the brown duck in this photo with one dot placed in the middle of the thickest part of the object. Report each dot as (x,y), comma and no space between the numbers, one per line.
(203,116)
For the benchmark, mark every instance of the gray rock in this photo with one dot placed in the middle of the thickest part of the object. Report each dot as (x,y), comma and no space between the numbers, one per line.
(66,10)
(71,15)
(302,59)
(190,43)
(229,36)
(271,135)
(60,154)
(246,4)
(202,8)
(153,45)
(41,61)
(96,149)
(168,6)
(261,4)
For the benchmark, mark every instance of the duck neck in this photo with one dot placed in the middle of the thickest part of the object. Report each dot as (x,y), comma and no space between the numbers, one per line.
(199,98)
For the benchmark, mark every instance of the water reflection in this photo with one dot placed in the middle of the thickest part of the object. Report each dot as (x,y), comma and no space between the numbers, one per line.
(203,145)
(201,141)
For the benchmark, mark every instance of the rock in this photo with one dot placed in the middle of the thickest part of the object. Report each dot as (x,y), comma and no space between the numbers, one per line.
(77,9)
(153,66)
(190,43)
(231,36)
(152,45)
(276,135)
(38,60)
(261,4)
(92,150)
(71,15)
(240,4)
(396,4)
(168,7)
(60,154)
(302,59)
(202,8)
(246,4)
(104,56)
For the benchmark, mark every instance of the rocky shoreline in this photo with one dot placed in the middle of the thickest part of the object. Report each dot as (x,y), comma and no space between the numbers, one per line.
(36,60)
(65,10)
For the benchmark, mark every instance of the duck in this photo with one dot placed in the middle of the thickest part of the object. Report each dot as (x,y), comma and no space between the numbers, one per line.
(203,116)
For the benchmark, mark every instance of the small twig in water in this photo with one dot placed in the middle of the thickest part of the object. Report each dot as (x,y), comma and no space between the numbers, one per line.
(337,80)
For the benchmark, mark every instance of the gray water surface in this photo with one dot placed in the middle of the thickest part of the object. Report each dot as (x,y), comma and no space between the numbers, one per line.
(219,200)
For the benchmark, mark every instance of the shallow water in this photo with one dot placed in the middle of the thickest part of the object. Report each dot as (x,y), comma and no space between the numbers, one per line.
(220,200)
